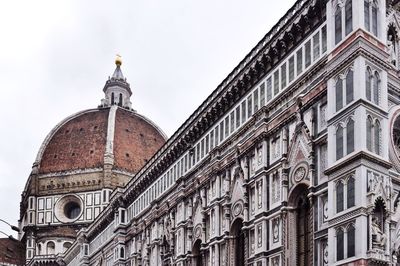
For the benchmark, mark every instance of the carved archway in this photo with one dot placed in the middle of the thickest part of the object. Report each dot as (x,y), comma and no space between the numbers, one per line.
(197,259)
(237,250)
(299,227)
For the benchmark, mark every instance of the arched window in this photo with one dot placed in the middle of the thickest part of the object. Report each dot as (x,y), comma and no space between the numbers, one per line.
(374,18)
(66,246)
(338,25)
(349,87)
(112,98)
(375,87)
(213,219)
(339,94)
(377,137)
(368,83)
(350,136)
(50,248)
(339,244)
(351,241)
(371,15)
(122,253)
(120,99)
(39,248)
(350,192)
(343,20)
(369,133)
(367,23)
(348,16)
(339,197)
(339,142)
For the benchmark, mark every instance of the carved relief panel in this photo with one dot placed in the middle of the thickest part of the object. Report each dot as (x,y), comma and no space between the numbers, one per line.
(276,231)
(275,187)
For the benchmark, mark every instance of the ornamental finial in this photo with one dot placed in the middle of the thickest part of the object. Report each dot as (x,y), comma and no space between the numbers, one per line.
(118,60)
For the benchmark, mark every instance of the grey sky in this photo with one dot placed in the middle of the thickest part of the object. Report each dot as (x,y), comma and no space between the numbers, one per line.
(55,57)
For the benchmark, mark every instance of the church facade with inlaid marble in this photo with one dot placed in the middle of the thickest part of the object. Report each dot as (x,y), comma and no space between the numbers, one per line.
(294,159)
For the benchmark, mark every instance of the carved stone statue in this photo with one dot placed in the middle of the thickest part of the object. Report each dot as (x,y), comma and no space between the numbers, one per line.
(378,236)
(392,49)
(167,230)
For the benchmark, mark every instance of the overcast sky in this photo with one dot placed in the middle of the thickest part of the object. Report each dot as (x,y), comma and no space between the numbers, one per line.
(55,57)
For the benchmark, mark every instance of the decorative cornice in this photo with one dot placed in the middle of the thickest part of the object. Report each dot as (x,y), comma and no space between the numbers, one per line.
(339,165)
(346,216)
(71,172)
(239,81)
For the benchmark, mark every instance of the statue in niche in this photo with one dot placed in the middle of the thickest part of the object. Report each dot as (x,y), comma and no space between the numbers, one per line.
(378,225)
(167,233)
(378,236)
(392,49)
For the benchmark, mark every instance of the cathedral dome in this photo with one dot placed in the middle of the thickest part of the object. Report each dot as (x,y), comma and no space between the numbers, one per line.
(81,161)
(112,134)
(84,140)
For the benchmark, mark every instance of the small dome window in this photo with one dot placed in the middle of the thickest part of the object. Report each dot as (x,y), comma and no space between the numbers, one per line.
(50,248)
(66,246)
(68,208)
(72,210)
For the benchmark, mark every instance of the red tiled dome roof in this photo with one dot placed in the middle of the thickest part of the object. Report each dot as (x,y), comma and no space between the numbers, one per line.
(82,140)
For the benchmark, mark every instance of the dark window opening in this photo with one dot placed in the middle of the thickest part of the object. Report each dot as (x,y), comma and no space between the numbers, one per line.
(339,197)
(120,99)
(72,210)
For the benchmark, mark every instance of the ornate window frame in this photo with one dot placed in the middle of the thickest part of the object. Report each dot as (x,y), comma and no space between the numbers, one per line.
(342,14)
(345,201)
(345,230)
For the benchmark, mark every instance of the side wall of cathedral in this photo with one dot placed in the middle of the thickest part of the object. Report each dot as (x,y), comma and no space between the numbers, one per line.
(288,162)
